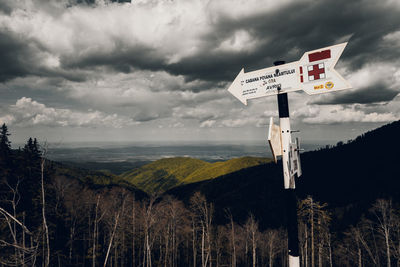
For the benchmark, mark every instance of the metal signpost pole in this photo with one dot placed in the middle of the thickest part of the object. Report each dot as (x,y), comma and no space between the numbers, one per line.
(290,195)
(314,73)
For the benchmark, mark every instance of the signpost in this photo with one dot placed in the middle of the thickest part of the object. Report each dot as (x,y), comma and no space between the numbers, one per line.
(314,73)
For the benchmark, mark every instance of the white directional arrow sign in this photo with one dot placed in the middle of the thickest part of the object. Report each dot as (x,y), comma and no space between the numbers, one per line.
(314,73)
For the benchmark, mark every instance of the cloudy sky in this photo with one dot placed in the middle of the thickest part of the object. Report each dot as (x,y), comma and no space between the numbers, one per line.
(159,70)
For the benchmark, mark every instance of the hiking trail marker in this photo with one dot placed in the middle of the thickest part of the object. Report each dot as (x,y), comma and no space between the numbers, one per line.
(314,73)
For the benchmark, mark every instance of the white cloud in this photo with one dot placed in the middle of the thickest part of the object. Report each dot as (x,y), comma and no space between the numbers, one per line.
(374,73)
(27,112)
(392,39)
(177,125)
(330,114)
(252,121)
(198,113)
(244,8)
(240,41)
(7,119)
(207,124)
(371,83)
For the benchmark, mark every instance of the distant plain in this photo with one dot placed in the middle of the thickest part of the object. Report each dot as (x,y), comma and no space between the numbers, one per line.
(121,157)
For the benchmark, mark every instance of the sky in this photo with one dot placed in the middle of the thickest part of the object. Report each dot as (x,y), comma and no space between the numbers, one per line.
(147,70)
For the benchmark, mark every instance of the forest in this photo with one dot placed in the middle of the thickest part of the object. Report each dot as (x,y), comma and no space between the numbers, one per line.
(51,217)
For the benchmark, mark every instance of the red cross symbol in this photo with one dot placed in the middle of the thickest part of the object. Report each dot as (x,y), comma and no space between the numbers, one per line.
(316,72)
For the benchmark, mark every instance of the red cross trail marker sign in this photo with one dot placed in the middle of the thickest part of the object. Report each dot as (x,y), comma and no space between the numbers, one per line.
(314,73)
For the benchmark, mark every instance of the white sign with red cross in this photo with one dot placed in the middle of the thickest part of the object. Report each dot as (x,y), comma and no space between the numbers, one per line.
(314,73)
(317,73)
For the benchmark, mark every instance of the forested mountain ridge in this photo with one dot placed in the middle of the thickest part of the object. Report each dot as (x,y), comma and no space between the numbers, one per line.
(92,179)
(362,169)
(165,174)
(349,177)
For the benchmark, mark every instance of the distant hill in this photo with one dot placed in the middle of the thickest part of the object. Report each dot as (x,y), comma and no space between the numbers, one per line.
(93,179)
(107,167)
(257,190)
(348,176)
(165,174)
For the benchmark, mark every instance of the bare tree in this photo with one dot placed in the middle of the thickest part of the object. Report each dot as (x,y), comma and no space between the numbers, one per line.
(220,242)
(15,198)
(117,209)
(43,198)
(272,244)
(194,237)
(329,243)
(315,218)
(133,214)
(348,251)
(29,252)
(99,214)
(384,214)
(363,235)
(148,212)
(175,215)
(75,207)
(303,239)
(253,234)
(396,236)
(204,213)
(232,239)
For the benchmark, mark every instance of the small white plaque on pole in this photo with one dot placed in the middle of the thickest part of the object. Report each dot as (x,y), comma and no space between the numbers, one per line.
(298,157)
(274,139)
(294,158)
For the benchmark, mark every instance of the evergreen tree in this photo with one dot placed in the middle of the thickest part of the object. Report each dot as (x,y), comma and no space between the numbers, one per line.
(5,144)
(30,201)
(35,148)
(5,162)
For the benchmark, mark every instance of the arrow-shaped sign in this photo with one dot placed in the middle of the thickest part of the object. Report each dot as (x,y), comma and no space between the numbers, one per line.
(314,73)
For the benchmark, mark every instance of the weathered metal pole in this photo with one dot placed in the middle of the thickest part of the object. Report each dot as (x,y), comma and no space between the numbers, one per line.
(290,194)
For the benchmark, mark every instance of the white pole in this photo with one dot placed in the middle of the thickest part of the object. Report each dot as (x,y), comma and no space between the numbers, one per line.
(294,261)
(290,195)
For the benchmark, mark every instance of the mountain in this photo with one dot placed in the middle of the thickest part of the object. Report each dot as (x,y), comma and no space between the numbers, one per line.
(165,174)
(361,170)
(95,180)
(349,177)
(107,167)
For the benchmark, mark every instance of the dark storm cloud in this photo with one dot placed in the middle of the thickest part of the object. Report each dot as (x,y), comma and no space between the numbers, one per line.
(122,59)
(304,26)
(44,90)
(371,94)
(21,57)
(284,34)
(16,57)
(6,7)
